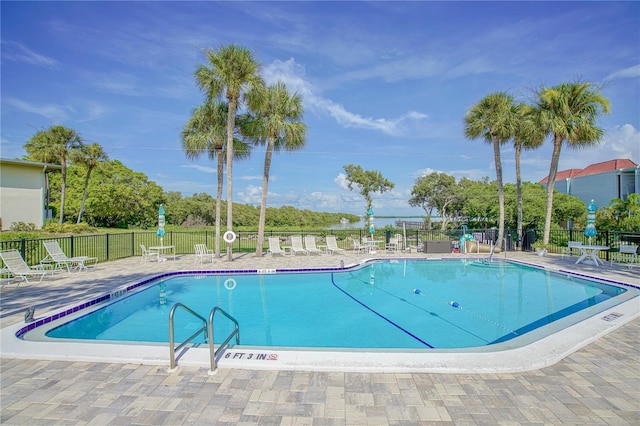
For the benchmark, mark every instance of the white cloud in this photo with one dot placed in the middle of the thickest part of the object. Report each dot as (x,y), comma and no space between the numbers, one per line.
(631,72)
(623,142)
(293,75)
(341,180)
(18,52)
(200,168)
(55,113)
(94,111)
(252,194)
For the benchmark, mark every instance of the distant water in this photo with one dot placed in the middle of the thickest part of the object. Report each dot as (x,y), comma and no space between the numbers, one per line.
(378,223)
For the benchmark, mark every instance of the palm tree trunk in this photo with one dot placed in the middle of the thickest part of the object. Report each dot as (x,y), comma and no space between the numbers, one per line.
(519,195)
(233,104)
(219,200)
(551,181)
(498,161)
(84,194)
(263,203)
(63,172)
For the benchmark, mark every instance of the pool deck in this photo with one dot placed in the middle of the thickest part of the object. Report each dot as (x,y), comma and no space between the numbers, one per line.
(597,384)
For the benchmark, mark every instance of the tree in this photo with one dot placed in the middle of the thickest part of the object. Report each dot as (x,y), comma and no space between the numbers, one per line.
(205,133)
(529,135)
(90,156)
(117,196)
(276,121)
(624,215)
(568,113)
(232,71)
(54,146)
(494,120)
(367,181)
(436,191)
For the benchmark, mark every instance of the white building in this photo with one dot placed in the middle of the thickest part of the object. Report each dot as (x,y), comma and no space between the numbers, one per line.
(23,192)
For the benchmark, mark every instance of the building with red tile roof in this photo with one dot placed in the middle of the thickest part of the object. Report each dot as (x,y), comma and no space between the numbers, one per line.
(600,182)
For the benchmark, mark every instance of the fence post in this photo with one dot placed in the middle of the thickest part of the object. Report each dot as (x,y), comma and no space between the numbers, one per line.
(73,251)
(107,243)
(23,247)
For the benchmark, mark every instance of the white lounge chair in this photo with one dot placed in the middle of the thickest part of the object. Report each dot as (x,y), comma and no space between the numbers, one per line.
(148,254)
(16,265)
(627,255)
(332,245)
(296,245)
(59,259)
(274,247)
(310,245)
(203,253)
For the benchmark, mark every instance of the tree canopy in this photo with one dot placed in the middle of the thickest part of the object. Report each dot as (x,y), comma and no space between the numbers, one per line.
(367,182)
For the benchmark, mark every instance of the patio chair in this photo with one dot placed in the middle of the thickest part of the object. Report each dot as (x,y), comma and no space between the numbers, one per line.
(332,245)
(359,248)
(274,247)
(393,244)
(16,265)
(296,245)
(571,248)
(148,254)
(60,260)
(310,245)
(627,255)
(203,253)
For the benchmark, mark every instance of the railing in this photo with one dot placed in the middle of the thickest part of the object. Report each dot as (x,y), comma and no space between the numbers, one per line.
(207,327)
(172,348)
(236,332)
(112,246)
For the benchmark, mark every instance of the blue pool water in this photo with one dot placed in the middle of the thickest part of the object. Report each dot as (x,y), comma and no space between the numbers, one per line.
(384,304)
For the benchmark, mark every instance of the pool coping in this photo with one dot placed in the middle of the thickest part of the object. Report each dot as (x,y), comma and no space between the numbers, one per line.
(540,353)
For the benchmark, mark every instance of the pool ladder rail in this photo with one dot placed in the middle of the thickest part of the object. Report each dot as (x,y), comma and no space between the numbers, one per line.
(207,328)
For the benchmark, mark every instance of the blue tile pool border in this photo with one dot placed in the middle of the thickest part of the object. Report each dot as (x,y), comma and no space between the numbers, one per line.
(117,293)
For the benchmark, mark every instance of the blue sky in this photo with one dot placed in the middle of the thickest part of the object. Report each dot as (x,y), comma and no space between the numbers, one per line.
(385,85)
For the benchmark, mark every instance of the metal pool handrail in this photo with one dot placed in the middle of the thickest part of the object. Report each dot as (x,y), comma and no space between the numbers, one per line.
(207,327)
(236,332)
(172,350)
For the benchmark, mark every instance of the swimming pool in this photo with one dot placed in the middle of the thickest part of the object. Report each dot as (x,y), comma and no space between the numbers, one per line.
(388,285)
(407,304)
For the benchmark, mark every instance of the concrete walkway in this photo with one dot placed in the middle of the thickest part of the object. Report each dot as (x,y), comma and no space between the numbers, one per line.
(598,384)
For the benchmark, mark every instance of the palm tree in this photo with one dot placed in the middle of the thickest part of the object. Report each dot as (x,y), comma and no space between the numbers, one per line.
(529,135)
(54,145)
(568,112)
(205,133)
(276,121)
(232,72)
(91,156)
(494,119)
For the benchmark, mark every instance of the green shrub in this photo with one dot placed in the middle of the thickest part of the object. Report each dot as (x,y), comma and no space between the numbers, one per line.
(23,227)
(68,228)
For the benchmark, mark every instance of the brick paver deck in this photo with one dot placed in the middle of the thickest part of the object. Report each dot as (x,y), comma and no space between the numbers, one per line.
(599,384)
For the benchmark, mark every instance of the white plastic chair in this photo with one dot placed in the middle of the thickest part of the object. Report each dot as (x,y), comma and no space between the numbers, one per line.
(296,245)
(148,254)
(310,245)
(203,253)
(274,247)
(627,255)
(16,265)
(569,249)
(332,245)
(59,259)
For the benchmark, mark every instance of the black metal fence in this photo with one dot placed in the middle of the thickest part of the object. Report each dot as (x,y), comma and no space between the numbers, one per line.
(121,245)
